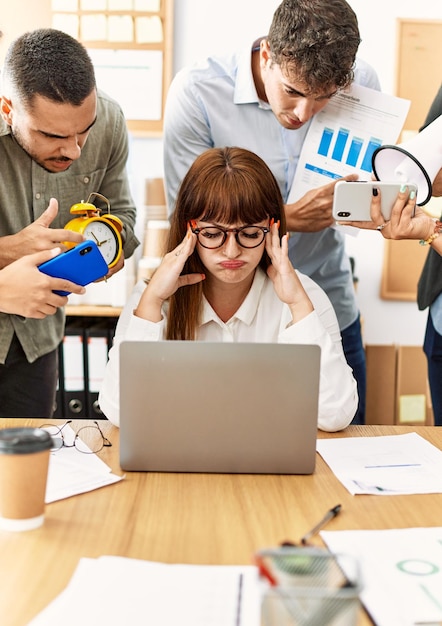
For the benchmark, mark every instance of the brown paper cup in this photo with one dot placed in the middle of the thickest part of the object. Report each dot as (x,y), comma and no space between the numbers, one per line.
(147,266)
(24,462)
(154,192)
(156,235)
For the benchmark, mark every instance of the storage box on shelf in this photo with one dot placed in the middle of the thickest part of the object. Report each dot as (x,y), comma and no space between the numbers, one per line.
(397,386)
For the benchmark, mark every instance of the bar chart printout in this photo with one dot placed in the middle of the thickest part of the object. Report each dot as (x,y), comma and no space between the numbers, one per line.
(348,149)
(366,161)
(354,151)
(325,143)
(340,143)
(342,137)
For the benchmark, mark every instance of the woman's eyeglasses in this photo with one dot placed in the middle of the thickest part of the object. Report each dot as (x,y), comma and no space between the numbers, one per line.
(212,237)
(88,439)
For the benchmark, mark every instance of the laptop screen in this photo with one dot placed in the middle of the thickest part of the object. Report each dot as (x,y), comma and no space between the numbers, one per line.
(189,406)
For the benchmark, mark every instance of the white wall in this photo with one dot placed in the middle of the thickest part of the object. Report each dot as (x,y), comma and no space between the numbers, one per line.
(204,27)
(377,24)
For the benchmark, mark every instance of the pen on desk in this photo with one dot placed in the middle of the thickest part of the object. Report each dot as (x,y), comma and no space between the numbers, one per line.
(393,465)
(239,607)
(327,517)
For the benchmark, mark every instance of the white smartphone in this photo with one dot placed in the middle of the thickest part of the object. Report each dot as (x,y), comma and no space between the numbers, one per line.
(352,199)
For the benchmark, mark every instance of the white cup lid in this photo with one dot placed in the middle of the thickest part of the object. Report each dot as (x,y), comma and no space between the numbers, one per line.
(18,525)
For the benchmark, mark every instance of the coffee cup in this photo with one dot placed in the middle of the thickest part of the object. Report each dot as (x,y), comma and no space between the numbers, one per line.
(24,463)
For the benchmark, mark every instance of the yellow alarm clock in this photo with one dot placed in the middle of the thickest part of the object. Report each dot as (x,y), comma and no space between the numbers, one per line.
(103,229)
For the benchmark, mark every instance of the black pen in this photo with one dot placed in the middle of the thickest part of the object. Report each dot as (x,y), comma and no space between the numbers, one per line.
(327,517)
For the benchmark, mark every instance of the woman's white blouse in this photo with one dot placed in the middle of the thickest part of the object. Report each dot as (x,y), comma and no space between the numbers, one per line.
(263,318)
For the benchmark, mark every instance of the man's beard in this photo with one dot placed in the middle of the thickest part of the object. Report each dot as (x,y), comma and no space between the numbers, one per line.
(18,138)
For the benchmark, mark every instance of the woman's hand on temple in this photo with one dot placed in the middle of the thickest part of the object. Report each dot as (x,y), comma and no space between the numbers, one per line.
(287,285)
(167,279)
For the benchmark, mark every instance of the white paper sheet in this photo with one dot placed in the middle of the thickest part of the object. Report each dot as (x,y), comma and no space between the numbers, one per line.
(115,590)
(385,465)
(401,572)
(72,472)
(343,136)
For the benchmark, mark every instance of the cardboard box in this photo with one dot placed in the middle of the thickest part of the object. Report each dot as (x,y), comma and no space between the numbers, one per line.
(413,403)
(397,386)
(381,384)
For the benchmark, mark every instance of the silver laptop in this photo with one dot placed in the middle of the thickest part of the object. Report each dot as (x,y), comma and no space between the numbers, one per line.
(188,406)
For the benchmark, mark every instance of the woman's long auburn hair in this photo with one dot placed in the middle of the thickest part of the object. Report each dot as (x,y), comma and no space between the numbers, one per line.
(225,186)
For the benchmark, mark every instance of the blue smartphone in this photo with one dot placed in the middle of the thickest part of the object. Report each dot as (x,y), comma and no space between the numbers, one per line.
(82,265)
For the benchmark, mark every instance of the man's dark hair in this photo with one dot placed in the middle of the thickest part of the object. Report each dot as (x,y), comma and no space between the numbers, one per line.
(315,42)
(48,63)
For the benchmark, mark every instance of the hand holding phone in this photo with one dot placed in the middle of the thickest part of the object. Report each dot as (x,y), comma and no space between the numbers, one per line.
(352,200)
(81,265)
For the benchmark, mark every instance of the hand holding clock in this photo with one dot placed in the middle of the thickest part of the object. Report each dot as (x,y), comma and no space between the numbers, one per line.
(103,228)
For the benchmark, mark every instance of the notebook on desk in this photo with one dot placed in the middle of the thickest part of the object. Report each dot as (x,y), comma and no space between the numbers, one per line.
(189,406)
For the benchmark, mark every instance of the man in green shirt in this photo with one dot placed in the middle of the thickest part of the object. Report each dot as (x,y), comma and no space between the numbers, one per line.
(59,138)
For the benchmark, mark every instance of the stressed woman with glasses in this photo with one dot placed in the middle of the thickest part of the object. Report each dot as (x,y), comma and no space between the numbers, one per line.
(227,277)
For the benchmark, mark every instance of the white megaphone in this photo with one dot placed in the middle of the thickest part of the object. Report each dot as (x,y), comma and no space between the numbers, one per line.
(417,160)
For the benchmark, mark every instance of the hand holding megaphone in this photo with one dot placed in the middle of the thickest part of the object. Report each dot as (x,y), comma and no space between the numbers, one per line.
(418,160)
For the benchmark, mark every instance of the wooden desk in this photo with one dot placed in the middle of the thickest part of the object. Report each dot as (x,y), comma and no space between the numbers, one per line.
(92,310)
(189,518)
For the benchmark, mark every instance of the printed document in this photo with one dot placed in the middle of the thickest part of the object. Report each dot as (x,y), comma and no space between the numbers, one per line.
(343,136)
(401,572)
(386,465)
(116,590)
